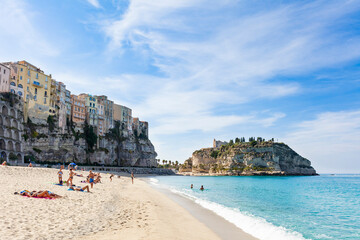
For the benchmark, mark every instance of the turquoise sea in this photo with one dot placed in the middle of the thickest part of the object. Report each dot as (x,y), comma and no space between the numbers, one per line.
(314,207)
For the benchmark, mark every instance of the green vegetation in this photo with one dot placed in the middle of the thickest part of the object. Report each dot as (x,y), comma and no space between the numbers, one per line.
(214,153)
(12,157)
(51,123)
(37,150)
(90,137)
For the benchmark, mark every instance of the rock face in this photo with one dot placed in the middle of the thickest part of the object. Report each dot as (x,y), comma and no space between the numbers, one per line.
(53,147)
(264,158)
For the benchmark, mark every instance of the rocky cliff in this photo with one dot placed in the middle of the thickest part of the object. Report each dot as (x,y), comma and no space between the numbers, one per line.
(256,158)
(46,145)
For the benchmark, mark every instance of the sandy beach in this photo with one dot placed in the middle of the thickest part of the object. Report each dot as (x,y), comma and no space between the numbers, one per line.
(112,210)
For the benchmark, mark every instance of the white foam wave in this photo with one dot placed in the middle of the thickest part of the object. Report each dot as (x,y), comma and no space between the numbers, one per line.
(255,226)
(154,181)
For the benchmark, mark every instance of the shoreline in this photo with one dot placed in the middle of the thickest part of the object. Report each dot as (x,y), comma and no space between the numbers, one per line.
(220,226)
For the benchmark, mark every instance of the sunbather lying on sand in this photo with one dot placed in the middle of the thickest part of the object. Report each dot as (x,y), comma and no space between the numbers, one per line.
(81,189)
(39,194)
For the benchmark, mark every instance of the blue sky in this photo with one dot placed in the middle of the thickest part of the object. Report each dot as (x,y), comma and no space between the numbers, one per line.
(198,70)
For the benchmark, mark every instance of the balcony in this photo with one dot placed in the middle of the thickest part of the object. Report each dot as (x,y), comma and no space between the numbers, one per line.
(37,84)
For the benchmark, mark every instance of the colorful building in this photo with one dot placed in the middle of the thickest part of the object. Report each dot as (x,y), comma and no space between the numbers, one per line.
(91,109)
(108,112)
(15,86)
(68,104)
(140,128)
(123,114)
(101,120)
(4,78)
(61,104)
(78,111)
(32,84)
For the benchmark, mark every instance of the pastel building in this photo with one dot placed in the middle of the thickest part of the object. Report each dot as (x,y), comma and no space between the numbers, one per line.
(78,111)
(123,114)
(101,120)
(4,78)
(108,112)
(140,128)
(31,83)
(61,104)
(91,108)
(14,85)
(68,104)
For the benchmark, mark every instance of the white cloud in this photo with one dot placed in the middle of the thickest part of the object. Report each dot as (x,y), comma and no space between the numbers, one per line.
(20,35)
(94,3)
(331,141)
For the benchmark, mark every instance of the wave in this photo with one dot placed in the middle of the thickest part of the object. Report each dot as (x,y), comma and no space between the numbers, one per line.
(255,226)
(153,181)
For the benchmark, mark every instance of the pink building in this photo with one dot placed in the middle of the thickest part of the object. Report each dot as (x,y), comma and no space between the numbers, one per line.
(4,78)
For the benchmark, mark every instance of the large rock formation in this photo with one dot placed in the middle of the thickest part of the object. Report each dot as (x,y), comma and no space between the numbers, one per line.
(256,158)
(43,145)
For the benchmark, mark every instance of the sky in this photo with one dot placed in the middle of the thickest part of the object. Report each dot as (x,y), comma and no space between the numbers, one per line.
(198,70)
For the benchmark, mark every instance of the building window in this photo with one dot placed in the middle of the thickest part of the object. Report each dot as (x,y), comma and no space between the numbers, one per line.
(19,93)
(13,84)
(44,100)
(45,93)
(20,86)
(28,72)
(20,77)
(45,86)
(35,97)
(46,79)
(35,90)
(27,89)
(28,81)
(27,97)
(21,69)
(37,75)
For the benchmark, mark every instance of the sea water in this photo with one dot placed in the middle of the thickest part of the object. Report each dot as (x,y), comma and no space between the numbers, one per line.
(270,207)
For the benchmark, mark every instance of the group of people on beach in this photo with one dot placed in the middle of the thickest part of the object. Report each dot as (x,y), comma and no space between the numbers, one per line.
(92,179)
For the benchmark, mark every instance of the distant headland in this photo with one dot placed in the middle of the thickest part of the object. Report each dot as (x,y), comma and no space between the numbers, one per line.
(241,158)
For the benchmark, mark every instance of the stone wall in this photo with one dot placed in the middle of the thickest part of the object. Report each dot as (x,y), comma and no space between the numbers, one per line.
(11,128)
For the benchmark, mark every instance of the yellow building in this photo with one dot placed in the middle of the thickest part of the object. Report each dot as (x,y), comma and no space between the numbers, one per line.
(36,87)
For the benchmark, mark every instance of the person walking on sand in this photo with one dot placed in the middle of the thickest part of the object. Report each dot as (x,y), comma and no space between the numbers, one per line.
(60,173)
(71,176)
(132,177)
(202,188)
(111,176)
(91,178)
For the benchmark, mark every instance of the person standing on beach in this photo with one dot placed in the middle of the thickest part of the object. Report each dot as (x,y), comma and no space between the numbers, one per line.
(91,178)
(30,165)
(60,173)
(111,176)
(71,176)
(132,177)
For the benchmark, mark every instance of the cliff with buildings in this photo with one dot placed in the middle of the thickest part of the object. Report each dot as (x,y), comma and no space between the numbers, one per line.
(45,141)
(248,158)
(54,125)
(46,144)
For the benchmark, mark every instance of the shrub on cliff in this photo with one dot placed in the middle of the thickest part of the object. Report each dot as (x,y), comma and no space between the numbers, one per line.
(214,153)
(90,137)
